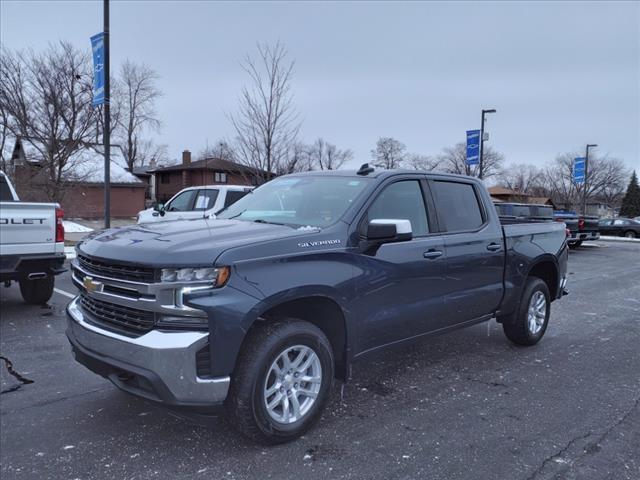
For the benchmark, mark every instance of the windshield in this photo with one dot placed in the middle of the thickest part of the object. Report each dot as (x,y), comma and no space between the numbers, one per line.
(298,201)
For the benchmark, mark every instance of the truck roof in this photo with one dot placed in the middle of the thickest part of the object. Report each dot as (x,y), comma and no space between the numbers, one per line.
(378,173)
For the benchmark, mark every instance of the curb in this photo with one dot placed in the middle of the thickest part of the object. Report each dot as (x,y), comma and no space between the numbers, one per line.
(619,239)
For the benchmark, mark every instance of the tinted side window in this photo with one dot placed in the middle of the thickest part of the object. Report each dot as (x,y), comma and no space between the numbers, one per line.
(5,193)
(182,202)
(457,206)
(401,200)
(233,197)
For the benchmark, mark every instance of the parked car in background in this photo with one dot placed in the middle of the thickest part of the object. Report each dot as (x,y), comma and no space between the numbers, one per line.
(259,309)
(524,211)
(620,227)
(580,227)
(195,202)
(31,244)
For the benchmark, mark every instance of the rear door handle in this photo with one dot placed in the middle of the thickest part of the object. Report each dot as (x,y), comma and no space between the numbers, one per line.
(493,247)
(431,254)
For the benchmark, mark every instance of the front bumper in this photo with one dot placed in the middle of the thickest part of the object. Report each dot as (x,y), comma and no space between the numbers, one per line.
(159,366)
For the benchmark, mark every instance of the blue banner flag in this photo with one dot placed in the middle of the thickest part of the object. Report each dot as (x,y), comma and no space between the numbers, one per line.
(473,147)
(578,169)
(97,47)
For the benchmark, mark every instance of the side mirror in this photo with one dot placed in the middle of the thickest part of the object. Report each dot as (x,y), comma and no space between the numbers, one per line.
(158,207)
(383,230)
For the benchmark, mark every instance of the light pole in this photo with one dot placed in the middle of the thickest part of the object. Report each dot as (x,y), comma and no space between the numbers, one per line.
(586,177)
(107,120)
(492,110)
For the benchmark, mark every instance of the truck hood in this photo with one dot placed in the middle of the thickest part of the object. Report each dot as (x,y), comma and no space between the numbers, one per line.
(181,242)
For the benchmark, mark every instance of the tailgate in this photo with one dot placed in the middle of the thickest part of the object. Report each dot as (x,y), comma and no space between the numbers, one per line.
(27,228)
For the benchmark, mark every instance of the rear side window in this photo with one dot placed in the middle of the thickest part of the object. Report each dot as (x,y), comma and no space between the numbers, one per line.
(401,201)
(233,197)
(457,206)
(205,199)
(5,192)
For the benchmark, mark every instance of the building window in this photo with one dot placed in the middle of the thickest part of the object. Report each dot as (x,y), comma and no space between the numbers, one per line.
(164,178)
(220,177)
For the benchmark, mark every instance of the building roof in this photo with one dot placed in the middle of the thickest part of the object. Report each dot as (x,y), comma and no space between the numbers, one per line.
(211,164)
(85,165)
(497,190)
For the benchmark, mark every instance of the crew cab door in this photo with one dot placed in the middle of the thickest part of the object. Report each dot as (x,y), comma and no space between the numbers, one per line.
(400,285)
(475,251)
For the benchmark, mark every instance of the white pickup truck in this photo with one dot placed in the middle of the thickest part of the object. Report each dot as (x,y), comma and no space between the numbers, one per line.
(31,244)
(195,202)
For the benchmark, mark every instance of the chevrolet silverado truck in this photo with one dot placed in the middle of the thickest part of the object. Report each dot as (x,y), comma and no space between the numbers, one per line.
(581,228)
(31,244)
(261,308)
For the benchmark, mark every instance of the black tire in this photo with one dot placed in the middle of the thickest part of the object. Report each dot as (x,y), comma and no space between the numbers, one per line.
(630,234)
(264,344)
(38,291)
(516,326)
(575,244)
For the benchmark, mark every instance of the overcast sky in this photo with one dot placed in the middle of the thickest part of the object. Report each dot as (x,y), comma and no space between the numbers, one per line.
(559,74)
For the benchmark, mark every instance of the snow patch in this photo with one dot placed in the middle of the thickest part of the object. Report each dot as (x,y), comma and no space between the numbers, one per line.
(73,227)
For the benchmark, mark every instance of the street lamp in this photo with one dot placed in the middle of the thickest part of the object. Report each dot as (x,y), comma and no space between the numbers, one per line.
(586,176)
(492,110)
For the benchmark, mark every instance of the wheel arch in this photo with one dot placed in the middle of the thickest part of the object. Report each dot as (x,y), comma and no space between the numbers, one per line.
(546,268)
(321,309)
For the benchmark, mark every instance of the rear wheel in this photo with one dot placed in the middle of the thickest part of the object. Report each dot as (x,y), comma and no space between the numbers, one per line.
(630,234)
(529,323)
(282,381)
(38,291)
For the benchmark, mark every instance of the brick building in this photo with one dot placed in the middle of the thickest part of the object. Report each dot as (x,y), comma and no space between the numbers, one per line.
(83,185)
(208,171)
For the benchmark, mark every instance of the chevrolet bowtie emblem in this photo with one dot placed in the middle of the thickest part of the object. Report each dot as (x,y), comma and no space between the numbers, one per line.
(91,285)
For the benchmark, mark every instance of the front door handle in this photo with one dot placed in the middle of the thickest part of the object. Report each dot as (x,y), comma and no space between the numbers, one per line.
(493,247)
(431,254)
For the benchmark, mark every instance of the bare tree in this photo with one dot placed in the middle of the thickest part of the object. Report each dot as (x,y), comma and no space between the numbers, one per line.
(606,180)
(220,149)
(4,139)
(326,156)
(267,122)
(454,160)
(389,153)
(417,161)
(139,93)
(46,98)
(522,178)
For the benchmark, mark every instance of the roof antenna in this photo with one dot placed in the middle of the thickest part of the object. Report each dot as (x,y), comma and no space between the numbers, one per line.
(365,169)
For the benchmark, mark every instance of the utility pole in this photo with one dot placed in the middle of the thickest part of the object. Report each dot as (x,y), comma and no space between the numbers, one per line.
(107,120)
(492,110)
(586,177)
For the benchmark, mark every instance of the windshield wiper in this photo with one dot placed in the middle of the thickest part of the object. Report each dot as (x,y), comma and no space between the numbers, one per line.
(236,215)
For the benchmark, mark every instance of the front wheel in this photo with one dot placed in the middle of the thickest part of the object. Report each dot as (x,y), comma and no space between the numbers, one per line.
(282,381)
(38,291)
(529,323)
(575,244)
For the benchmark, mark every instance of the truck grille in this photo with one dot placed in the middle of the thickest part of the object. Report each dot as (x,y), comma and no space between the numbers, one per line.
(122,272)
(118,317)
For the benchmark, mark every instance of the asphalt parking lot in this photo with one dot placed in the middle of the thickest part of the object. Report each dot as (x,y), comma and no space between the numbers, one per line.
(466,405)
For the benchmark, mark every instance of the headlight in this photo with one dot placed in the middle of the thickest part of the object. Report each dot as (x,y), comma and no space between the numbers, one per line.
(218,276)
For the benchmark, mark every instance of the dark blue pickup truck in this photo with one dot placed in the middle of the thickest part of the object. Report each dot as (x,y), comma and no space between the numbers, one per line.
(261,308)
